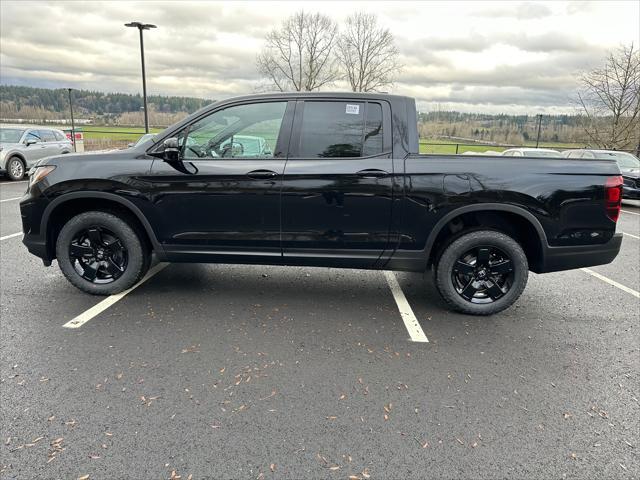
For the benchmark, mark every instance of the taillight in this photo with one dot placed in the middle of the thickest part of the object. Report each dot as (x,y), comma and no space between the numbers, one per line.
(613,197)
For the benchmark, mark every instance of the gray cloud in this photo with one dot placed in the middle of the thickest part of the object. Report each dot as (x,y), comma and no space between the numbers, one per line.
(208,49)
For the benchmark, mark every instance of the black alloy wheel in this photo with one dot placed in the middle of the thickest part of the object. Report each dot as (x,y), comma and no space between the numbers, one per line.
(483,274)
(98,255)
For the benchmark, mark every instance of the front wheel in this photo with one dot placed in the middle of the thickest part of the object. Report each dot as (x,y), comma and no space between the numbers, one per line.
(15,169)
(482,272)
(100,253)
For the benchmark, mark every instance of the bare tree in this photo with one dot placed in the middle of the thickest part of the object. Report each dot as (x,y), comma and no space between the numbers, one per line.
(610,100)
(367,53)
(299,56)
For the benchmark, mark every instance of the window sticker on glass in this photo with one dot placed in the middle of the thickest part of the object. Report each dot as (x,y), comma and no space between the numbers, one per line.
(352,109)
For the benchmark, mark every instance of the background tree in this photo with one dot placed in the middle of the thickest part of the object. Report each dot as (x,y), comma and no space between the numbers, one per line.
(300,55)
(367,54)
(609,98)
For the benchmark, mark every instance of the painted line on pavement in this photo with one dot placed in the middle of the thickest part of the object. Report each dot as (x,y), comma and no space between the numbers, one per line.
(627,211)
(630,235)
(410,321)
(10,199)
(14,183)
(6,237)
(612,282)
(97,309)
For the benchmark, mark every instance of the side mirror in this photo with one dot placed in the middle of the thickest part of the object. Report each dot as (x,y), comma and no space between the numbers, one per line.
(171,152)
(29,141)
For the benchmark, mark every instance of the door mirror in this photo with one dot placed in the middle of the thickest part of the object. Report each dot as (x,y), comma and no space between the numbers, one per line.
(30,141)
(171,152)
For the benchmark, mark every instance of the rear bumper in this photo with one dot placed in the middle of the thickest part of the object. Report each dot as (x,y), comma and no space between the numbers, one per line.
(567,258)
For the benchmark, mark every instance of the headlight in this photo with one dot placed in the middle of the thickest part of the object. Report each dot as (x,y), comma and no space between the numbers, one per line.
(38,173)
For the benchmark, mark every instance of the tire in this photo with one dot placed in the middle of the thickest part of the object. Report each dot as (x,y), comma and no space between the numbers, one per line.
(482,272)
(101,254)
(16,168)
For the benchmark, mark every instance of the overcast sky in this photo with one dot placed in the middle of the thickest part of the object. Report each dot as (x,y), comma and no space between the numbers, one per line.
(520,57)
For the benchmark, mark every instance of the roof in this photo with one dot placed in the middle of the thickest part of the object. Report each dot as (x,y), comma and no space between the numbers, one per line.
(362,95)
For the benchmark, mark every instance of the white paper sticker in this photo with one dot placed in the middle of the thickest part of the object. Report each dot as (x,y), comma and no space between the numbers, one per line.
(352,109)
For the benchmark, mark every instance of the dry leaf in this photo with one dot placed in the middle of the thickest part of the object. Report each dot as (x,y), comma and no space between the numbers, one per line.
(84,477)
(272,467)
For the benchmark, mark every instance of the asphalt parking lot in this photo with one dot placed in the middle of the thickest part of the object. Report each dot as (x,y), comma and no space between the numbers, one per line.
(209,371)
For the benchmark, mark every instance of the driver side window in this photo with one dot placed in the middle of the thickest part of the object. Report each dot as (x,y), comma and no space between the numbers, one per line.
(242,131)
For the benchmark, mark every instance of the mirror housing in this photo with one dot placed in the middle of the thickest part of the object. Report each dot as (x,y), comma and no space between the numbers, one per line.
(171,152)
(29,141)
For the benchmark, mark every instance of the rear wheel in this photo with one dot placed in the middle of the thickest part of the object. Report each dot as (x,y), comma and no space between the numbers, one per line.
(482,272)
(15,168)
(100,253)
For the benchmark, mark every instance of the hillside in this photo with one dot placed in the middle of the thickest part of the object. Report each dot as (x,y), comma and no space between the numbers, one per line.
(109,108)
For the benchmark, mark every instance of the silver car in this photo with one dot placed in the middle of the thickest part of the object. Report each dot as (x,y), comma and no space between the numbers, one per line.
(532,152)
(21,147)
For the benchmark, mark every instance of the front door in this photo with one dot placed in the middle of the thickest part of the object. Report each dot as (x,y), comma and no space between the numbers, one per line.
(337,187)
(223,199)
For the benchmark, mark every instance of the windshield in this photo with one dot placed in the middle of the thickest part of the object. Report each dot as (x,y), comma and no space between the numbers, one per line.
(144,138)
(625,160)
(10,135)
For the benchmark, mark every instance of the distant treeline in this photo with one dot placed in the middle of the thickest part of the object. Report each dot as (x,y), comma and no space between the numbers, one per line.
(501,128)
(44,103)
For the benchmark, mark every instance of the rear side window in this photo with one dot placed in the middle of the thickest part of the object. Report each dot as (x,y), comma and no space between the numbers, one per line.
(47,136)
(59,136)
(341,129)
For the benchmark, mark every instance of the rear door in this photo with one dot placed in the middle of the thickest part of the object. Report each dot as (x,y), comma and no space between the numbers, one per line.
(337,184)
(224,198)
(50,143)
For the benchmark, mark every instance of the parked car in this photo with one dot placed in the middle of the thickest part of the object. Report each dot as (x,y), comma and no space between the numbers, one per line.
(340,186)
(628,163)
(532,152)
(142,139)
(22,147)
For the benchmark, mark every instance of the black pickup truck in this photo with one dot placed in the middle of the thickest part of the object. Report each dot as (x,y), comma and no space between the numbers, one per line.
(320,179)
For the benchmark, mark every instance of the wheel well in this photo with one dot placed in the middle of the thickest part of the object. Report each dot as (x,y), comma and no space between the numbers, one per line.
(18,156)
(69,209)
(512,224)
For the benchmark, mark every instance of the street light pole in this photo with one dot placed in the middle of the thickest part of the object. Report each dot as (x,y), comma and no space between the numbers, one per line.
(539,125)
(143,26)
(73,125)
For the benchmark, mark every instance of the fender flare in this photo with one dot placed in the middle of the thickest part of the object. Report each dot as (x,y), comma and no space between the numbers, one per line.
(486,207)
(44,222)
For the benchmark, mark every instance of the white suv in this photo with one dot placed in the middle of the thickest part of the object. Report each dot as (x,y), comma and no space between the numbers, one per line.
(21,147)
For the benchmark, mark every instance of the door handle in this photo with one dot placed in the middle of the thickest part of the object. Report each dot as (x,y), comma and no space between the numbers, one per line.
(372,173)
(262,174)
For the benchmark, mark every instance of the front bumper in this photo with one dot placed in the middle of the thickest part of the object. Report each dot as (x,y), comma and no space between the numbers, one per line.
(570,257)
(37,246)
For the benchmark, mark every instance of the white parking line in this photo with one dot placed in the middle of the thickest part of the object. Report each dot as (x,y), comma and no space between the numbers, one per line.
(10,199)
(612,282)
(630,235)
(84,317)
(410,321)
(6,237)
(627,211)
(14,183)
